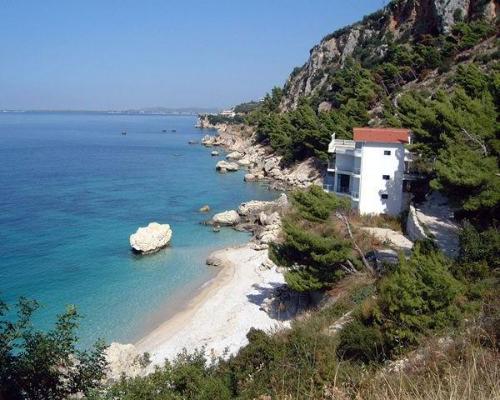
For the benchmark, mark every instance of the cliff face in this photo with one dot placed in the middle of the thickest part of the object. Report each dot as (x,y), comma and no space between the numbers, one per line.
(401,20)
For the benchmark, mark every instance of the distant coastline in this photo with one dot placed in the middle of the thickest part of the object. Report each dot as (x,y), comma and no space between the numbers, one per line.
(188,111)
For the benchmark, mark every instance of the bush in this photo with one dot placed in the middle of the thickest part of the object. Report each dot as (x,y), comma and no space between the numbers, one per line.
(420,296)
(360,342)
(478,247)
(45,365)
(314,204)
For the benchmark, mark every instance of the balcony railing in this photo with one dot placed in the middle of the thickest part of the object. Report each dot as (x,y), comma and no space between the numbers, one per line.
(342,191)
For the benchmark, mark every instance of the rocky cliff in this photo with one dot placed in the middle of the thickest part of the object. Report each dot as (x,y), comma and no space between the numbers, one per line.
(401,20)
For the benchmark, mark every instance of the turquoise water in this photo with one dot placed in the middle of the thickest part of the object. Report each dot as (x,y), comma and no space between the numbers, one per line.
(72,190)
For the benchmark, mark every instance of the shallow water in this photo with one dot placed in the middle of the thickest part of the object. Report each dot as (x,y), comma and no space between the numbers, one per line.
(72,190)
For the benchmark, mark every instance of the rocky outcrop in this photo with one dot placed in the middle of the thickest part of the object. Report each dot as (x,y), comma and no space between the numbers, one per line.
(224,166)
(151,238)
(204,209)
(226,218)
(124,359)
(234,155)
(404,18)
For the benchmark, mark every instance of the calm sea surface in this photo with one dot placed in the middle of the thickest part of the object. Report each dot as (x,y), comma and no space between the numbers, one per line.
(72,190)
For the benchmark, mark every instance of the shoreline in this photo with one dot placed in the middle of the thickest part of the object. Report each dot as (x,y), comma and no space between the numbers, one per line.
(220,315)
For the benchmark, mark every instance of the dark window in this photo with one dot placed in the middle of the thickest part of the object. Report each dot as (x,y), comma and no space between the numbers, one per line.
(384,196)
(386,177)
(387,152)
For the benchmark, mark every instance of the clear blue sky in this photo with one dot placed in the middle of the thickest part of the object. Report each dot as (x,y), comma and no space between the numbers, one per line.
(117,54)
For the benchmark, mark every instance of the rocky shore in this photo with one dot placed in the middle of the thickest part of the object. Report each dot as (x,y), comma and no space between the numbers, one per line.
(260,162)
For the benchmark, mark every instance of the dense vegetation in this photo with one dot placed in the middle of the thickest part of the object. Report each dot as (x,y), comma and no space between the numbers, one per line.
(338,351)
(456,133)
(45,365)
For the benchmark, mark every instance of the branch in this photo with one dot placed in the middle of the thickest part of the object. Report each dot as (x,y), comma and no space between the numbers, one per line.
(478,141)
(366,264)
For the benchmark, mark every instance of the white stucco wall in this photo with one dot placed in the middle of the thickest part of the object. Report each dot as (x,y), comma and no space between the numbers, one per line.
(374,164)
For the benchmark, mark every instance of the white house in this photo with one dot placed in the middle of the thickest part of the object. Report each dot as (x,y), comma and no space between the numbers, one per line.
(370,169)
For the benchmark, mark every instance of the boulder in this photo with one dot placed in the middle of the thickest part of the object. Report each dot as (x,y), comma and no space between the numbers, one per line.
(235,155)
(228,218)
(204,209)
(208,140)
(244,162)
(223,166)
(253,207)
(150,238)
(269,219)
(214,260)
(214,153)
(249,178)
(124,359)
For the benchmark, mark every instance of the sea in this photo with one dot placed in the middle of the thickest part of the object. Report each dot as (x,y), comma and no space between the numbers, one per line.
(73,188)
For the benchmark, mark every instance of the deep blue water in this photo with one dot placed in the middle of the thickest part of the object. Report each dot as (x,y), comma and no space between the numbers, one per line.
(72,190)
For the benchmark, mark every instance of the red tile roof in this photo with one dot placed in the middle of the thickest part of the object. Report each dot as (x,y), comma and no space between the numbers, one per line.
(382,135)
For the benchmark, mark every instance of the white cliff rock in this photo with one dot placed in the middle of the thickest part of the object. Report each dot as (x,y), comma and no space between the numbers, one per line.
(124,359)
(151,238)
(229,218)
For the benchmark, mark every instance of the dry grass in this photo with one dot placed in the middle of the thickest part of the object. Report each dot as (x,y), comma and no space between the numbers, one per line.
(473,376)
(376,221)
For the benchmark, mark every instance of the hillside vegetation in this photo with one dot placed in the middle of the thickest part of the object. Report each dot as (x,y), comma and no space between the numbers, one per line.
(397,69)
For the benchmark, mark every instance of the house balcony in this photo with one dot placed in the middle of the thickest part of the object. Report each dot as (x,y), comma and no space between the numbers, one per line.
(343,169)
(343,191)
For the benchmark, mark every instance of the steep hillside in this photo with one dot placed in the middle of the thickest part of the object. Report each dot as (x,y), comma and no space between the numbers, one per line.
(368,40)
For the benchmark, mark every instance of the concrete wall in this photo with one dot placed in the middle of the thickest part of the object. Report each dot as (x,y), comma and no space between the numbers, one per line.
(374,164)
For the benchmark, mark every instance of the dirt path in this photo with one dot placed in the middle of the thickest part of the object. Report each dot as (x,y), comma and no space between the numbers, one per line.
(437,218)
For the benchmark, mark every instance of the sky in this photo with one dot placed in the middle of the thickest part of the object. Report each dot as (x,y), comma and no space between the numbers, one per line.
(122,54)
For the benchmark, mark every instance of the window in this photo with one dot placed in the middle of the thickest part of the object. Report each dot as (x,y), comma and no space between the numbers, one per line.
(387,152)
(384,196)
(386,177)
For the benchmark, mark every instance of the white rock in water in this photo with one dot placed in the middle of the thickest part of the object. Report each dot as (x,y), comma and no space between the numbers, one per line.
(249,178)
(214,153)
(230,217)
(228,166)
(151,238)
(235,155)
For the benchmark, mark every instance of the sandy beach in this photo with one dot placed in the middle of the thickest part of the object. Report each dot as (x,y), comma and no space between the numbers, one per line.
(222,313)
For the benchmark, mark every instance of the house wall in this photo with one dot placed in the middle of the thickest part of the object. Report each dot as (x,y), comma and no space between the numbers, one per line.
(374,164)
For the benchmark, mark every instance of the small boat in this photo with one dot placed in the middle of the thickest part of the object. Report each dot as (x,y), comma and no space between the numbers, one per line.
(164,130)
(173,130)
(124,132)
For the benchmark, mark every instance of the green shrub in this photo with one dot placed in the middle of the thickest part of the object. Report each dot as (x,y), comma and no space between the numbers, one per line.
(420,296)
(360,342)
(314,204)
(45,365)
(478,247)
